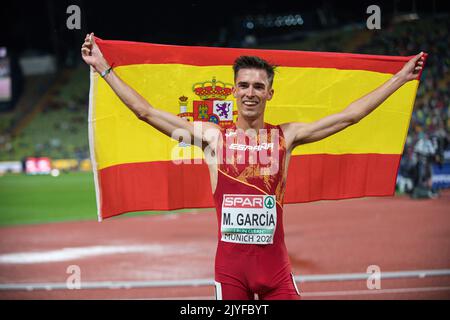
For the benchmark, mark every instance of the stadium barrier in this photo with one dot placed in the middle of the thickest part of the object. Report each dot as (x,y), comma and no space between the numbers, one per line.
(44,165)
(10,167)
(441,176)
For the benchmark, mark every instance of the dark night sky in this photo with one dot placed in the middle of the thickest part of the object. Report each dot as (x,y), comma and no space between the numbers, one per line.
(38,24)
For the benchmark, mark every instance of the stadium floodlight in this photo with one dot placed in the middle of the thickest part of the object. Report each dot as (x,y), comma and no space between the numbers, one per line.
(270,21)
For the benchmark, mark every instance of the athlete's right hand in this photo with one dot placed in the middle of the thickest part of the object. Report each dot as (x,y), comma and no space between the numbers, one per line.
(92,55)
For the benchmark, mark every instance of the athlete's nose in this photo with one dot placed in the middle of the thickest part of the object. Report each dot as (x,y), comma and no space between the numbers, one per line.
(251,91)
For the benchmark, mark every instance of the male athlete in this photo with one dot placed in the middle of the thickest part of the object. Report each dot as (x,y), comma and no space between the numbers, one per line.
(251,254)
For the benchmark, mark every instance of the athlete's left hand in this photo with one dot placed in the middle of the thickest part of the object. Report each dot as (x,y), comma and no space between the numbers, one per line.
(412,68)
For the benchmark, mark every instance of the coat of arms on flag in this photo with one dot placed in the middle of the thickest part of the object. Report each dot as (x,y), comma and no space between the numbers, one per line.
(213,106)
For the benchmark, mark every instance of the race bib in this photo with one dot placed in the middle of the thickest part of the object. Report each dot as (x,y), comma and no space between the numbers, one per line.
(248,219)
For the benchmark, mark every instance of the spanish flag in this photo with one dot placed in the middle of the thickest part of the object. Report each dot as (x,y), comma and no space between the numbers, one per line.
(133,163)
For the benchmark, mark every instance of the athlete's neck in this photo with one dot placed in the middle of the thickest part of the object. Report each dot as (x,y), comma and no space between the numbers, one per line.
(245,124)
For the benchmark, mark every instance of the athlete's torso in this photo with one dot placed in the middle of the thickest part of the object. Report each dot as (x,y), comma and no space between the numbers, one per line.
(249,194)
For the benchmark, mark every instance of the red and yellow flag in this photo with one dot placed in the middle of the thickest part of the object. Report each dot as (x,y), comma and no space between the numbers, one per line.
(133,162)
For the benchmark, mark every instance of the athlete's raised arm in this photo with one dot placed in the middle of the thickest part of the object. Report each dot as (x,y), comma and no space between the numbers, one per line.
(163,121)
(297,133)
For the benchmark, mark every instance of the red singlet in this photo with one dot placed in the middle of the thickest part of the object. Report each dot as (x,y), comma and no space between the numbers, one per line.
(251,254)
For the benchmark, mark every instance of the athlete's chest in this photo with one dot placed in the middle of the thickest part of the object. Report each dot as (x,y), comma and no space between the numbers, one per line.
(251,150)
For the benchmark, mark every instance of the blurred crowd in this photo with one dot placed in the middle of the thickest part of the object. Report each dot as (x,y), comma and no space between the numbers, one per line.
(59,131)
(428,137)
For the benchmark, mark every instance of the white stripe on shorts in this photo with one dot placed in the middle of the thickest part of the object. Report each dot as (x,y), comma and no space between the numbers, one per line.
(295,285)
(218,290)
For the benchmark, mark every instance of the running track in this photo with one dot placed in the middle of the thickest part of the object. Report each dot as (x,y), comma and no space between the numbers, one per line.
(172,256)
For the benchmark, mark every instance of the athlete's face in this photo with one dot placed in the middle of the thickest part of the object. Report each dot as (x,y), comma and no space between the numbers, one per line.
(252,89)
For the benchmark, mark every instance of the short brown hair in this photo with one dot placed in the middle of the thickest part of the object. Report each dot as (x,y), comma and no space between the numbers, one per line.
(253,62)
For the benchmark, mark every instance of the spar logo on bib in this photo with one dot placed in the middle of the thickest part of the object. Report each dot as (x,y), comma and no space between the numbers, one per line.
(243,201)
(269,202)
(248,201)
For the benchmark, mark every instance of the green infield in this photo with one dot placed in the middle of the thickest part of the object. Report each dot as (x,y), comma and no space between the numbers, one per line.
(44,199)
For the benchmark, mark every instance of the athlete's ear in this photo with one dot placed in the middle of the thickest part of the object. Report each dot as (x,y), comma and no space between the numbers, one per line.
(271,92)
(233,90)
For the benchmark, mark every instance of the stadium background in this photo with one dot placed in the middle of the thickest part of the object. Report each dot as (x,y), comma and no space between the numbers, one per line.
(43,127)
